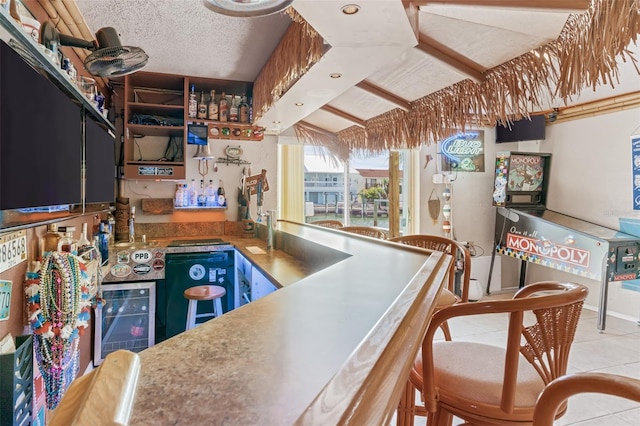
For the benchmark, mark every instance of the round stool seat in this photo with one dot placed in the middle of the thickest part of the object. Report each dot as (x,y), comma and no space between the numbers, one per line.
(204,292)
(200,293)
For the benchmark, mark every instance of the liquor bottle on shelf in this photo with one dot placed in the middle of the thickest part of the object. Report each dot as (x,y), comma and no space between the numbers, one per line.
(223,108)
(233,109)
(222,199)
(211,194)
(243,109)
(103,243)
(202,107)
(250,110)
(202,198)
(67,243)
(51,238)
(213,107)
(193,102)
(193,193)
(179,197)
(84,245)
(111,228)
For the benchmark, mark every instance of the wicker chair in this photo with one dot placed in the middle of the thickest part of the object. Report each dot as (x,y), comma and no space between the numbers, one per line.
(485,384)
(369,231)
(556,393)
(408,408)
(328,223)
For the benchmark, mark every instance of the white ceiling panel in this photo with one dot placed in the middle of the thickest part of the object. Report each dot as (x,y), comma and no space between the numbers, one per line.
(361,104)
(419,75)
(484,44)
(545,24)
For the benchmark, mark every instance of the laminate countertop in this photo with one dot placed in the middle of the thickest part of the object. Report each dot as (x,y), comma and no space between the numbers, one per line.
(333,345)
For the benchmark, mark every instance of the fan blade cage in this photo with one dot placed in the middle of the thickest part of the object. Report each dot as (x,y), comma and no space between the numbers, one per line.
(115,61)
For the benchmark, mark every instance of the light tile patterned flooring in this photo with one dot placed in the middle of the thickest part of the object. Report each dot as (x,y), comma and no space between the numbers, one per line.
(616,351)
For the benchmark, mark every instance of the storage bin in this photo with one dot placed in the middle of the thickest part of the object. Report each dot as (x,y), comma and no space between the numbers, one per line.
(16,383)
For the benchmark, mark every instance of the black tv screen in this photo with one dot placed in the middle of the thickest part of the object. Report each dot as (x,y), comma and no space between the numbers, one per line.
(40,138)
(100,163)
(197,134)
(522,130)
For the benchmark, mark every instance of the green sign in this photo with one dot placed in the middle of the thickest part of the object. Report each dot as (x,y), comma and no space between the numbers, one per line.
(5,299)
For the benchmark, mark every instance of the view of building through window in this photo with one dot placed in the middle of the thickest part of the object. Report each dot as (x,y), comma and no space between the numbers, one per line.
(366,191)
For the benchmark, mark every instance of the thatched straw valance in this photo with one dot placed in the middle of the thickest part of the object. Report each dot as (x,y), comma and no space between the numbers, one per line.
(300,48)
(586,54)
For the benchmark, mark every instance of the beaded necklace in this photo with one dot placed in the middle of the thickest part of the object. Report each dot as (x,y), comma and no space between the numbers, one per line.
(57,311)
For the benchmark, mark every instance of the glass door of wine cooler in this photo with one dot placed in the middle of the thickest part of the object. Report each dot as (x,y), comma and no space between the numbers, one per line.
(126,320)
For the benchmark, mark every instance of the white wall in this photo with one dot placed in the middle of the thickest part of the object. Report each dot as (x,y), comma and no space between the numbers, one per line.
(261,155)
(591,179)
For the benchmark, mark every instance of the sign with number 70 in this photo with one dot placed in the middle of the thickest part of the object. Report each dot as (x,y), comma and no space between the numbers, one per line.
(5,299)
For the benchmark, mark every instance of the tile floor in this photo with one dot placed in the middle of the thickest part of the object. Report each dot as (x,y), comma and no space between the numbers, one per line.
(616,351)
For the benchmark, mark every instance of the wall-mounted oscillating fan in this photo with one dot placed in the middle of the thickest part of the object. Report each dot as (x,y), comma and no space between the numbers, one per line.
(109,57)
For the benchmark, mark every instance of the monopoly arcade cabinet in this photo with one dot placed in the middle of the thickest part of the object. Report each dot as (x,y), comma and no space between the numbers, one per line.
(528,231)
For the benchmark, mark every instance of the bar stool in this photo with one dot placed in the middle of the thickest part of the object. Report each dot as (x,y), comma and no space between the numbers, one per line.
(203,292)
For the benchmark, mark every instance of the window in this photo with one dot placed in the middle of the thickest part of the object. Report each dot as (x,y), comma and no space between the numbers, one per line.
(366,200)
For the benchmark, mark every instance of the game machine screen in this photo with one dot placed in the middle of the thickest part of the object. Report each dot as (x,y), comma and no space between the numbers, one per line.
(521,179)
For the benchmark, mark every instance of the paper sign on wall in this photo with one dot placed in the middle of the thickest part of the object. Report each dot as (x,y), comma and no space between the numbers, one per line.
(635,158)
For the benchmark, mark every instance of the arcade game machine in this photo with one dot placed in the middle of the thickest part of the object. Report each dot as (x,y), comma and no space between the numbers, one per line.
(527,230)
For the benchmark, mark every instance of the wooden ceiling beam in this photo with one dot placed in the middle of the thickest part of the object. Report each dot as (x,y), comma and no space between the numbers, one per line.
(342,114)
(452,58)
(558,5)
(384,94)
(317,129)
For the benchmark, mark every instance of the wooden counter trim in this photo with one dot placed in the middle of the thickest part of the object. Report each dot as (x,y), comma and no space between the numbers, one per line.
(368,387)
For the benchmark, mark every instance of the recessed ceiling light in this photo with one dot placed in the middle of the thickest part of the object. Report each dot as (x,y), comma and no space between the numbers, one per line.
(335,75)
(299,104)
(350,9)
(276,122)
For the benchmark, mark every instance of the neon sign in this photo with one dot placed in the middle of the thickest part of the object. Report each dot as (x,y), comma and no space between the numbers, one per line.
(461,150)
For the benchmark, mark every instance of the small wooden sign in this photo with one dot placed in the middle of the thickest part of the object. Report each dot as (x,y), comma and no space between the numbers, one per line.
(251,182)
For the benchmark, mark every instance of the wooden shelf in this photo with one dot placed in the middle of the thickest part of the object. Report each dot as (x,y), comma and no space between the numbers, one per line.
(154,98)
(158,206)
(144,130)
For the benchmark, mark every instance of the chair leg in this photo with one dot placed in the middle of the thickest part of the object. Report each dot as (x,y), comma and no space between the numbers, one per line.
(217,307)
(445,330)
(407,406)
(440,418)
(191,314)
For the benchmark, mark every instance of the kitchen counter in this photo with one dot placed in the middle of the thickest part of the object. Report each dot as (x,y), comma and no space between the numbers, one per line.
(281,268)
(334,344)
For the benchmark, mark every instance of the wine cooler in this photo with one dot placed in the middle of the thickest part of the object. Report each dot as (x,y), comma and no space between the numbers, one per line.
(126,320)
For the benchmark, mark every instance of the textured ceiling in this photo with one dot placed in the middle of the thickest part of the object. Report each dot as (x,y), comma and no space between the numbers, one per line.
(377,46)
(185,37)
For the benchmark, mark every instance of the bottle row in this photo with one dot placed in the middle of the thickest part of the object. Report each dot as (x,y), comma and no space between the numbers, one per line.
(233,108)
(62,239)
(188,195)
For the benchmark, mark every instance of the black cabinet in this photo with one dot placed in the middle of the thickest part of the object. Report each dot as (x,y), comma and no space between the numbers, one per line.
(40,138)
(100,163)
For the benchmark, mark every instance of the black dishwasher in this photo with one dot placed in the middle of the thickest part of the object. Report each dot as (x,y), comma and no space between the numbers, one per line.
(184,270)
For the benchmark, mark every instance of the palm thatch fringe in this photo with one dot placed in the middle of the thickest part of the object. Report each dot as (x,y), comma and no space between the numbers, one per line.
(300,48)
(586,54)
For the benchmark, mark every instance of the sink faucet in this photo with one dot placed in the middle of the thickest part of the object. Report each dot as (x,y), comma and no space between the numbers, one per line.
(132,229)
